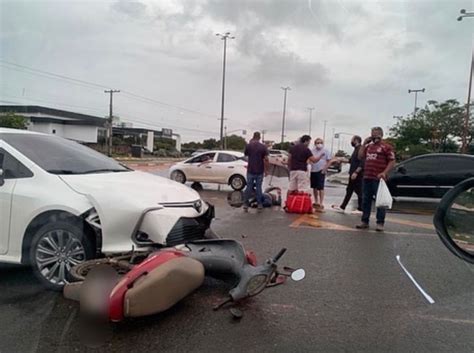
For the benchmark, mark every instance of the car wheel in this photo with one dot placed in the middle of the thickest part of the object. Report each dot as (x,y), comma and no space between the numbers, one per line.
(178,176)
(237,182)
(55,249)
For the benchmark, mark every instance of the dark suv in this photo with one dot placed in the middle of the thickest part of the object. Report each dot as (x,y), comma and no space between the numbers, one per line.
(430,175)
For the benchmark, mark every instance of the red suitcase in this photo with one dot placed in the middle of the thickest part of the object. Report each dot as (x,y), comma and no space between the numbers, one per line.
(299,202)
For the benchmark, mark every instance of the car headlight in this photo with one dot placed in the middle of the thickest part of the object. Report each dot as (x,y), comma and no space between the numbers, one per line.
(256,284)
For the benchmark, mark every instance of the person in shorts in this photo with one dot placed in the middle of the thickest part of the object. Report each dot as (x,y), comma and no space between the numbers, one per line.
(299,157)
(318,172)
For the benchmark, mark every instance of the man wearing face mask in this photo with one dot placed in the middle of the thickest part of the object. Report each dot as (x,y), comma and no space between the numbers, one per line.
(318,172)
(355,176)
(379,161)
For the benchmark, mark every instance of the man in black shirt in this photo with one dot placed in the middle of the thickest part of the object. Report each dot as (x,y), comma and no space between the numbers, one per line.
(257,154)
(355,176)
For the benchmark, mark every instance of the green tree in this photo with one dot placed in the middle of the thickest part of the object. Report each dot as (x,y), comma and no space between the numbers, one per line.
(435,128)
(235,143)
(13,121)
(284,147)
(210,144)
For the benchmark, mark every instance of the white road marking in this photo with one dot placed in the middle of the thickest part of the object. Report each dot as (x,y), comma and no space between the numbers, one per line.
(426,295)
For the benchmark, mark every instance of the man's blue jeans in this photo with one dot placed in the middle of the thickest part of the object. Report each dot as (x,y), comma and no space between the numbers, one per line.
(369,190)
(254,181)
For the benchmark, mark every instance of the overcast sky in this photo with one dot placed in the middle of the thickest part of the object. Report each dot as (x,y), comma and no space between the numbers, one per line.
(354,61)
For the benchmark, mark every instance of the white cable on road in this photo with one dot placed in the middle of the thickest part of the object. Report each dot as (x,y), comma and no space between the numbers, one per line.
(426,295)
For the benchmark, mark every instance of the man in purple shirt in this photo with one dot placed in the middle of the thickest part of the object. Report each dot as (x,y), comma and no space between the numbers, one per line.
(257,154)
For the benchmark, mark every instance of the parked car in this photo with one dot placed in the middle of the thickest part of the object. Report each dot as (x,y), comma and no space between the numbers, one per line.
(278,157)
(335,167)
(62,203)
(221,167)
(430,175)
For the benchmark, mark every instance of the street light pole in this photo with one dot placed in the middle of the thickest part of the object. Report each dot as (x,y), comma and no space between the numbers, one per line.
(284,114)
(310,118)
(223,37)
(465,132)
(416,97)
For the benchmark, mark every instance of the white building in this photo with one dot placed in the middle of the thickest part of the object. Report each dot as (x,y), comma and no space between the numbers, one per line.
(74,126)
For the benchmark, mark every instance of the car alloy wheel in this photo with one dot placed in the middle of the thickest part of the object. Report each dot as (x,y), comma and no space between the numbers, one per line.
(56,252)
(237,182)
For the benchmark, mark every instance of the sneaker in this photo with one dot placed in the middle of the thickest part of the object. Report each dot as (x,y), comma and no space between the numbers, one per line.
(379,228)
(356,212)
(362,226)
(337,208)
(315,205)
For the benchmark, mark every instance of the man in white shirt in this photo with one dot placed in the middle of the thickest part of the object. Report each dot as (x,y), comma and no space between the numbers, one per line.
(318,172)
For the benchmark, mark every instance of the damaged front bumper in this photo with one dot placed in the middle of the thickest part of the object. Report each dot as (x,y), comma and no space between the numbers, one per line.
(182,229)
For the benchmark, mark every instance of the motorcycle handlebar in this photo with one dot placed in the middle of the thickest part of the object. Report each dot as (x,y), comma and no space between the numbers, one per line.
(279,255)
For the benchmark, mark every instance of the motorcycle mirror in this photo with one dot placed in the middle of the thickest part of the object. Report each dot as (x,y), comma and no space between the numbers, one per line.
(454,220)
(298,275)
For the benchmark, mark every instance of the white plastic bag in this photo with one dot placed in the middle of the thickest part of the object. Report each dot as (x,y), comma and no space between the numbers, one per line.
(384,198)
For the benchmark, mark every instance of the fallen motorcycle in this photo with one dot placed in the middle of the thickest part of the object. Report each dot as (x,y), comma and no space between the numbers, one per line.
(140,284)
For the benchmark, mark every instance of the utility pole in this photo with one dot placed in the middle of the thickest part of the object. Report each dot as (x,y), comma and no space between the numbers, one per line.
(310,118)
(110,121)
(223,37)
(332,140)
(263,135)
(416,97)
(284,114)
(324,133)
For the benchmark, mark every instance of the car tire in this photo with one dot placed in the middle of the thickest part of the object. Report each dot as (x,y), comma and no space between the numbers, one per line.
(55,249)
(237,182)
(178,176)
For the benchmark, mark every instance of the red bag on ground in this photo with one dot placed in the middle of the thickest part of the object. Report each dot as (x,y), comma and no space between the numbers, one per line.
(299,202)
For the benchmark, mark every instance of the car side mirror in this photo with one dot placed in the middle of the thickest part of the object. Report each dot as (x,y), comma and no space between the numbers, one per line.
(401,170)
(2,179)
(454,220)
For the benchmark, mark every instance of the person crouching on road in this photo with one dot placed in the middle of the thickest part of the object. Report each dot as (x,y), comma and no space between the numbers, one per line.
(257,154)
(356,167)
(318,172)
(299,157)
(379,161)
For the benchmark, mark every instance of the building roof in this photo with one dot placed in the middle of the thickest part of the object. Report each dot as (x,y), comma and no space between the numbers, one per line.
(44,114)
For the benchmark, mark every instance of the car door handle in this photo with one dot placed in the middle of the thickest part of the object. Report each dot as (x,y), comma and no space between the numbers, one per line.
(208,167)
(230,167)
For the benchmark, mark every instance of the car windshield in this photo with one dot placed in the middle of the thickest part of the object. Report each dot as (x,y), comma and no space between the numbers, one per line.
(60,156)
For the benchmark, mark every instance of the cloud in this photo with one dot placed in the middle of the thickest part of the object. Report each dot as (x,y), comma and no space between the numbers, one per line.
(134,9)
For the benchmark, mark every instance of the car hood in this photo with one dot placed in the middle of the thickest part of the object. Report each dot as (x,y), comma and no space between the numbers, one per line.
(121,198)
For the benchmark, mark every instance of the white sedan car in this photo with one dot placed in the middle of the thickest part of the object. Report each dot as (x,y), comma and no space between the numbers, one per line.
(62,203)
(221,167)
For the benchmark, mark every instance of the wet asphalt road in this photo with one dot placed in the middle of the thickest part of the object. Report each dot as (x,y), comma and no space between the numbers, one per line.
(355,298)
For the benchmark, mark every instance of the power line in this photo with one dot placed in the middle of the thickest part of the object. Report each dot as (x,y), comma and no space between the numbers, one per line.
(43,73)
(121,117)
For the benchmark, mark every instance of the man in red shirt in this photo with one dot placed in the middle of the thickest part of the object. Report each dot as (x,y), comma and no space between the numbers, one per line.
(379,161)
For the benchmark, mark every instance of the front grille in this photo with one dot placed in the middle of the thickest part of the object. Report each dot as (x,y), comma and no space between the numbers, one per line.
(186,229)
(190,229)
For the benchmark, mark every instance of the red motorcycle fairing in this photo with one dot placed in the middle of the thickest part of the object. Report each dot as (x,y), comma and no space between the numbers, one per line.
(145,289)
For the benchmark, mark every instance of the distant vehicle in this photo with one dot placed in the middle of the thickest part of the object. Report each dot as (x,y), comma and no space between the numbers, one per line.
(335,167)
(278,157)
(430,175)
(220,167)
(195,153)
